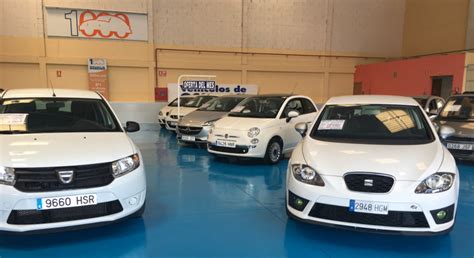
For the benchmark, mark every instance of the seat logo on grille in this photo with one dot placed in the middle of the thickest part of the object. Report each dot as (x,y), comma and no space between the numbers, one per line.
(368,182)
(66,176)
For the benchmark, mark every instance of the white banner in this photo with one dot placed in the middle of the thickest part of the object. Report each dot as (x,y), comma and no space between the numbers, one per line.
(77,23)
(211,88)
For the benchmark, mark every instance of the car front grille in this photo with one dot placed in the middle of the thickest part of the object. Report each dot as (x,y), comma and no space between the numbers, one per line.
(237,149)
(46,179)
(459,139)
(29,217)
(392,219)
(188,130)
(368,183)
(170,125)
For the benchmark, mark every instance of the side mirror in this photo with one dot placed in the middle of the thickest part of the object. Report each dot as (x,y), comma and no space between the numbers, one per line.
(446,131)
(292,114)
(131,127)
(301,128)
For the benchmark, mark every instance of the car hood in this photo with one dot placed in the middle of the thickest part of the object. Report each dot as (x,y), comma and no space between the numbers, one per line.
(166,109)
(182,110)
(63,149)
(404,162)
(242,123)
(199,117)
(462,129)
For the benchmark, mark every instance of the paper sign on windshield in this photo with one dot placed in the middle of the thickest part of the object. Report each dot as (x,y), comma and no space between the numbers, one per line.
(13,122)
(454,108)
(333,124)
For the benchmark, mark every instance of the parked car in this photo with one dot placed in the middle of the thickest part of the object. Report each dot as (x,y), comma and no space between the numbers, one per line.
(456,124)
(373,163)
(430,104)
(194,127)
(261,127)
(172,120)
(165,111)
(66,161)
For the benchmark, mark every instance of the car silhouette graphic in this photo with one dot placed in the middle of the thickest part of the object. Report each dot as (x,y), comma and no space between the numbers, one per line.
(104,25)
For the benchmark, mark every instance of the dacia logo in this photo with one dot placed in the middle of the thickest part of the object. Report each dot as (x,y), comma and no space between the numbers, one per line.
(226,136)
(65,176)
(368,182)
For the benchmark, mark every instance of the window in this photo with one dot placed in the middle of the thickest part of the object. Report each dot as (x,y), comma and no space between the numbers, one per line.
(258,107)
(293,105)
(222,104)
(308,106)
(460,108)
(62,115)
(381,124)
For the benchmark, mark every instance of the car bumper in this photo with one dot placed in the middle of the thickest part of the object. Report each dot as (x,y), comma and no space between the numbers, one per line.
(461,154)
(243,147)
(200,137)
(170,124)
(128,191)
(408,212)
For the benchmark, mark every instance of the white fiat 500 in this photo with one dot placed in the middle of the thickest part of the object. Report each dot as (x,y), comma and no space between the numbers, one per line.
(65,161)
(261,127)
(374,163)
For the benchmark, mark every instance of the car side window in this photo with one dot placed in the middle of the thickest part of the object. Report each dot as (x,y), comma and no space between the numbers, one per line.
(308,106)
(294,104)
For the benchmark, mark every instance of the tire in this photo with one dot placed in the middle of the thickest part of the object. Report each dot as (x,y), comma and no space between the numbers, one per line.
(274,151)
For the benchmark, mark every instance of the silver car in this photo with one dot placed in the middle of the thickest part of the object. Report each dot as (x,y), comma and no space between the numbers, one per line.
(456,125)
(194,127)
(430,104)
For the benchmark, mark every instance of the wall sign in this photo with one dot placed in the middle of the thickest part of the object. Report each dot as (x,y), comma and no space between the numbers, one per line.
(98,78)
(77,23)
(210,87)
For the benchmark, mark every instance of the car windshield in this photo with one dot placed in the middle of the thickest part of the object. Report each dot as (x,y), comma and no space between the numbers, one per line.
(222,104)
(183,100)
(258,107)
(53,115)
(372,124)
(421,101)
(198,101)
(458,108)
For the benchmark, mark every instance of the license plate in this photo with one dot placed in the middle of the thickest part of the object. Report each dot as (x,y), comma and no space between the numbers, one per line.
(368,207)
(460,146)
(224,143)
(66,201)
(188,138)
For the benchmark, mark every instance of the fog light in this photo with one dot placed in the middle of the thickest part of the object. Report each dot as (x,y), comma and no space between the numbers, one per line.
(299,202)
(254,141)
(441,215)
(133,201)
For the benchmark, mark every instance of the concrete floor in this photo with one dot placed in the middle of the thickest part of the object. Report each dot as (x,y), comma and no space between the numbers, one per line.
(201,207)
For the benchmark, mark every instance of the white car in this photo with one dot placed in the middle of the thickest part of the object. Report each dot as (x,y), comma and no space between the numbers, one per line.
(374,163)
(66,162)
(172,120)
(165,111)
(261,127)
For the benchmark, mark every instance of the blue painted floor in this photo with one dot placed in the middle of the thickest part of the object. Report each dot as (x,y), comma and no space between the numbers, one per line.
(201,207)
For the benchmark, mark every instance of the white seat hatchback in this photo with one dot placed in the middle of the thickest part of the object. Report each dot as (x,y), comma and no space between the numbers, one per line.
(373,163)
(65,161)
(261,127)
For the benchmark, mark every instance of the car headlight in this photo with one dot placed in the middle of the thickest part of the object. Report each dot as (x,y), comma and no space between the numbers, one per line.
(306,174)
(7,176)
(125,165)
(209,123)
(253,132)
(436,183)
(161,113)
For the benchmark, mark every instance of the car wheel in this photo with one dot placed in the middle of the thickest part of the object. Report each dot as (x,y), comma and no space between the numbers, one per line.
(274,152)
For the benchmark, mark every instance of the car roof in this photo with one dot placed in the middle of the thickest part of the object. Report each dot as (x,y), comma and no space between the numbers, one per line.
(274,95)
(48,93)
(425,96)
(372,99)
